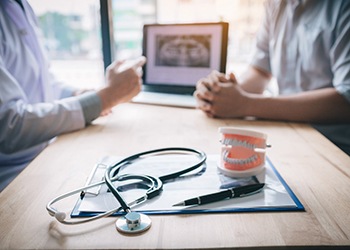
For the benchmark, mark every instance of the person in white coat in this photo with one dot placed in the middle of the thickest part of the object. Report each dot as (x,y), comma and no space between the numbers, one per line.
(33,107)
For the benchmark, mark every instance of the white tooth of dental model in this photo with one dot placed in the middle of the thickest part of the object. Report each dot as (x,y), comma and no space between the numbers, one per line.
(242,152)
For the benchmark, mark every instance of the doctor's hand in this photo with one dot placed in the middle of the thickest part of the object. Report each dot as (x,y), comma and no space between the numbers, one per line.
(123,83)
(219,95)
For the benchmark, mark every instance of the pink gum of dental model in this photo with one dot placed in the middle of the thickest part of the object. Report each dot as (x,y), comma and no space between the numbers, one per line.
(242,152)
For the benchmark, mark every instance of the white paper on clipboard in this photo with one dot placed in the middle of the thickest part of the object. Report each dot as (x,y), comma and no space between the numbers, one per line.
(276,195)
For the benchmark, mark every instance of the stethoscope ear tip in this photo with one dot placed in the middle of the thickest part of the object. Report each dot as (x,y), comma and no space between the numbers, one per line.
(133,223)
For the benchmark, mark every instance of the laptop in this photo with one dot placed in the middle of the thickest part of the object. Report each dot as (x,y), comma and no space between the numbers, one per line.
(178,55)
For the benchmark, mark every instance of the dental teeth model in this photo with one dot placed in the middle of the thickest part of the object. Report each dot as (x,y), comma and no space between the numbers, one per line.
(242,152)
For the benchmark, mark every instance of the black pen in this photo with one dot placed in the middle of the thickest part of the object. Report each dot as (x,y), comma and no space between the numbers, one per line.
(222,195)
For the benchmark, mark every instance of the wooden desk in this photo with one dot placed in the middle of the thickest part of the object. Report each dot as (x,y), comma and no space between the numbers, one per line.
(316,170)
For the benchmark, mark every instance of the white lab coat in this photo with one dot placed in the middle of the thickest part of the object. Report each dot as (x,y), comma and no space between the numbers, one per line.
(31,113)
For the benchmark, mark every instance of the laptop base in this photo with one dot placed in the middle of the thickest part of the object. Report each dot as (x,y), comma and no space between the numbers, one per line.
(165,99)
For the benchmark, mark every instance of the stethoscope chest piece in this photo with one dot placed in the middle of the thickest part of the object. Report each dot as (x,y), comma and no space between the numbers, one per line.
(133,222)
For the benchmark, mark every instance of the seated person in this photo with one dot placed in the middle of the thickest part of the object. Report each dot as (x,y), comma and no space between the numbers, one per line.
(33,107)
(305,46)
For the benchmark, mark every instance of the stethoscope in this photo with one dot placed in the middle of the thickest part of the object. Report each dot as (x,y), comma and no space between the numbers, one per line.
(131,222)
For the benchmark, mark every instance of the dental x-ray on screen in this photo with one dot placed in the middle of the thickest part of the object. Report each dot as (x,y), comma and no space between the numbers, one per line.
(178,55)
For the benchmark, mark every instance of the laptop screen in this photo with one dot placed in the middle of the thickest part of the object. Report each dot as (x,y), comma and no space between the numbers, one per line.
(178,55)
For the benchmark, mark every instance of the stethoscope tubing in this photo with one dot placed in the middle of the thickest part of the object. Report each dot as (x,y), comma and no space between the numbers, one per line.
(110,178)
(53,212)
(118,165)
(164,150)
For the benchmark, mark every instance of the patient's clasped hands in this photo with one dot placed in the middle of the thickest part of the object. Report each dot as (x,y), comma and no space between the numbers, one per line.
(219,95)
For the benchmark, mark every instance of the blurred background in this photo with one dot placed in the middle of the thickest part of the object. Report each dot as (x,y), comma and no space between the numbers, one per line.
(72,31)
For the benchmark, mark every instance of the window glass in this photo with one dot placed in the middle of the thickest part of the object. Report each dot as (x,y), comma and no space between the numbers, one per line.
(72,37)
(128,19)
(244,17)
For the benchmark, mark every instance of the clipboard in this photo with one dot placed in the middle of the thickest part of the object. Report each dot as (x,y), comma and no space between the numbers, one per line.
(276,195)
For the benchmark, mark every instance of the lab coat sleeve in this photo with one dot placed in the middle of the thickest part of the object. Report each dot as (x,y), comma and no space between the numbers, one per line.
(23,125)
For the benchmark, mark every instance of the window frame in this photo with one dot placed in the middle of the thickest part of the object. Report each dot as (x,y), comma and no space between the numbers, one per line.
(106,14)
